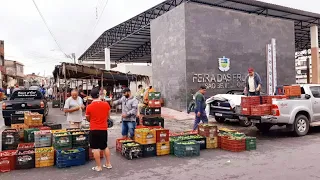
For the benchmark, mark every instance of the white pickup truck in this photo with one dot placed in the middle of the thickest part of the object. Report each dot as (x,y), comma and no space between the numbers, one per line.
(298,114)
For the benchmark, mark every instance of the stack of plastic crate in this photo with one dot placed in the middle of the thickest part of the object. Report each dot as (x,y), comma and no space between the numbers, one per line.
(147,139)
(10,139)
(62,140)
(209,131)
(162,140)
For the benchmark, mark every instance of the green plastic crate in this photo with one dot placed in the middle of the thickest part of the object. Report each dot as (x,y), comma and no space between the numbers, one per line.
(154,96)
(62,141)
(186,150)
(251,143)
(29,135)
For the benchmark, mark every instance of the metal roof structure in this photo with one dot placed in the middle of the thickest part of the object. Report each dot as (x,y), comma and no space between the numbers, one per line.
(130,40)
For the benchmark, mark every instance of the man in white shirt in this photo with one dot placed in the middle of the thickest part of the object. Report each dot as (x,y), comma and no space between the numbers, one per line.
(253,83)
(50,92)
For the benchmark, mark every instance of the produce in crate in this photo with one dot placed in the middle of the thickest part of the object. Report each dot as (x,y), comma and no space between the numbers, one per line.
(120,142)
(145,136)
(62,140)
(68,158)
(131,150)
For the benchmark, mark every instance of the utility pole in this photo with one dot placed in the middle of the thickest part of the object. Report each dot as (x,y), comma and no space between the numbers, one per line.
(73,55)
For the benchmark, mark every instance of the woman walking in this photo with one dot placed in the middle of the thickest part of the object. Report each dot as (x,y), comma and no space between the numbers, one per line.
(73,107)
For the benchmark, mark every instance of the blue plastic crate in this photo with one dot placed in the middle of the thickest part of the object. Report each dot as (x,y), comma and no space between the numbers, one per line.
(68,158)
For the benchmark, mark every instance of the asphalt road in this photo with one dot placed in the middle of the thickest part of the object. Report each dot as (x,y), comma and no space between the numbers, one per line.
(278,156)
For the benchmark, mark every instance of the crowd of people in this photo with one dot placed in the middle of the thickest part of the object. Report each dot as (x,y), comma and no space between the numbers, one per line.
(98,112)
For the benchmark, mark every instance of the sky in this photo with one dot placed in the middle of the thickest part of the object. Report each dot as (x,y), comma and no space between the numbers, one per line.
(75,26)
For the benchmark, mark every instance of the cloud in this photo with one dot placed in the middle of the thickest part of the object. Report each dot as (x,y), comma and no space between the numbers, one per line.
(28,40)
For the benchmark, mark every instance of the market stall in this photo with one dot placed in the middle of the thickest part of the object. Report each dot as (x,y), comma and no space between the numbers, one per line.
(69,75)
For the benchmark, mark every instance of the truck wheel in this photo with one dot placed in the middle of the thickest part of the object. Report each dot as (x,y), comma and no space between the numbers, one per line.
(264,128)
(219,119)
(7,121)
(245,123)
(301,125)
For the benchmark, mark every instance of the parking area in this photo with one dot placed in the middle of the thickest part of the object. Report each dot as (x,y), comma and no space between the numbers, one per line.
(273,158)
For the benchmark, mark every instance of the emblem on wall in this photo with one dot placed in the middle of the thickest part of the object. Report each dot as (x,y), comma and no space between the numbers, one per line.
(224,64)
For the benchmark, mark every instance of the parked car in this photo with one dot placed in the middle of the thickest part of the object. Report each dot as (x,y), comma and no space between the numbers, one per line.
(297,114)
(22,101)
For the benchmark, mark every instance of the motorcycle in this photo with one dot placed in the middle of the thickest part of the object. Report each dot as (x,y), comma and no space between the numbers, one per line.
(192,104)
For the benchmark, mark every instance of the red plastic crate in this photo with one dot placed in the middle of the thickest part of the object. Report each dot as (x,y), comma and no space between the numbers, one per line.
(25,146)
(260,110)
(154,103)
(162,135)
(207,131)
(44,128)
(246,110)
(233,145)
(7,160)
(292,90)
(250,100)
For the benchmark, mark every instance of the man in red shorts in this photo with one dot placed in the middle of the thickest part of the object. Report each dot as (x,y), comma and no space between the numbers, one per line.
(98,113)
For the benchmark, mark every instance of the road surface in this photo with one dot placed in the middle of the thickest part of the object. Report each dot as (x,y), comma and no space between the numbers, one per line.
(278,156)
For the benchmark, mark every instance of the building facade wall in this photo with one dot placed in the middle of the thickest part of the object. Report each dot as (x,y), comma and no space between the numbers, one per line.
(188,41)
(213,33)
(168,57)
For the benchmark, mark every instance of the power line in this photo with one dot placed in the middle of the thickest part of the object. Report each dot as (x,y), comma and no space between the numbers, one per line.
(97,22)
(44,21)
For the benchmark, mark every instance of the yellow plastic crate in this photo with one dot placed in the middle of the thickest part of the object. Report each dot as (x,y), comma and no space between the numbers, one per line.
(44,157)
(163,148)
(212,142)
(33,119)
(145,136)
(58,131)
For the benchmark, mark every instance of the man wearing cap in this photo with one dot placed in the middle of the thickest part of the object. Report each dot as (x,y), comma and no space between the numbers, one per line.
(129,112)
(253,83)
(200,108)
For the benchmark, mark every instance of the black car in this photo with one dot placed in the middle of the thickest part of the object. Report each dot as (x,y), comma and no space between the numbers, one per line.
(22,101)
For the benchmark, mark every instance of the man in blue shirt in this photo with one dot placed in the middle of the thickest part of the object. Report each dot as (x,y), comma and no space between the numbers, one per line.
(200,107)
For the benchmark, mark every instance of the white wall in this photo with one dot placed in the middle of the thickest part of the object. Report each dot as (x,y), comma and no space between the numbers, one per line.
(142,69)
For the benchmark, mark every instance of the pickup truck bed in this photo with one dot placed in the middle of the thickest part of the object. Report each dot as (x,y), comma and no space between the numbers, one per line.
(23,101)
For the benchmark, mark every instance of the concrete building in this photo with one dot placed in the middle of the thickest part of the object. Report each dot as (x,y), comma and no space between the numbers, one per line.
(211,42)
(14,73)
